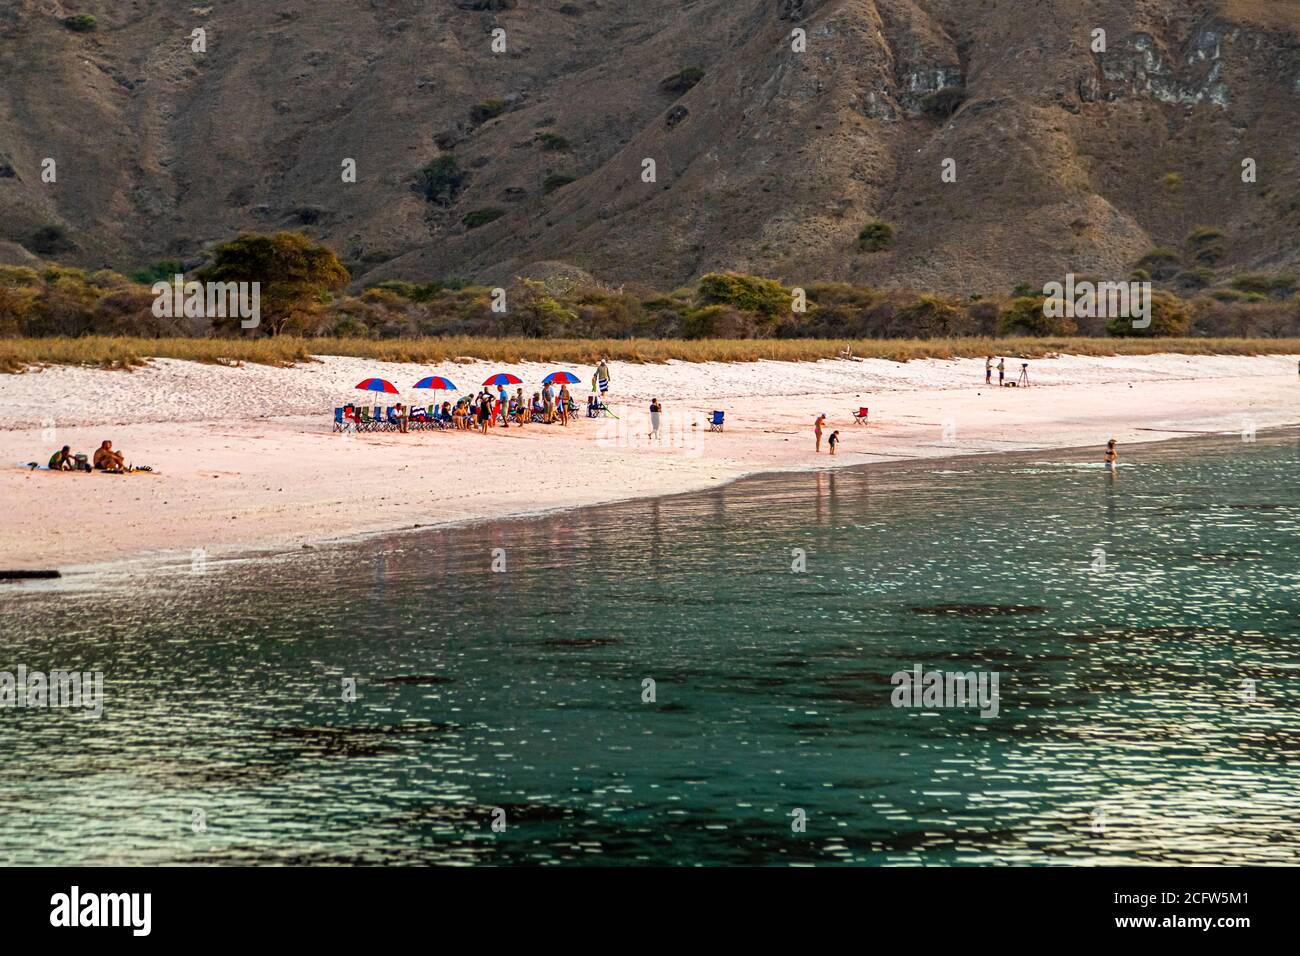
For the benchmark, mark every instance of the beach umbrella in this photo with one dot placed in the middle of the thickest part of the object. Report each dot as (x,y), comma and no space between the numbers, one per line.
(555,378)
(436,382)
(503,378)
(377,385)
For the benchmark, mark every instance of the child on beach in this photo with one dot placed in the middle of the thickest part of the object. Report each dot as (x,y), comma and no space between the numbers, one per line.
(817,430)
(834,440)
(1112,456)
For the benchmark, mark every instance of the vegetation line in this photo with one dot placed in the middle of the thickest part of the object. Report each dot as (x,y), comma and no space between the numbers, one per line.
(125,352)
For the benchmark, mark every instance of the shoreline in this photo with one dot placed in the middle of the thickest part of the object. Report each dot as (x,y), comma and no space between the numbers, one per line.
(74,577)
(298,484)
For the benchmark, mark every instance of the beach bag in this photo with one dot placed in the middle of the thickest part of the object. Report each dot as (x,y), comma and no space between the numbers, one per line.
(80,463)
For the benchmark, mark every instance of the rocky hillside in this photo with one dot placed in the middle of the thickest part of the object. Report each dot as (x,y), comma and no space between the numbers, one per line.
(767,159)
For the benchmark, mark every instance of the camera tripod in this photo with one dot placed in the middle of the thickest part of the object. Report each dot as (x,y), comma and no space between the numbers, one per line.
(1023,380)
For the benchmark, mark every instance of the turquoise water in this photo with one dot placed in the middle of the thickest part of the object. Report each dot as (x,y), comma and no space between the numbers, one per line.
(1125,733)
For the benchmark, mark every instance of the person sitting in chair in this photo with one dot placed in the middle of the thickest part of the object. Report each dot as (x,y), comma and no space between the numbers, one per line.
(108,460)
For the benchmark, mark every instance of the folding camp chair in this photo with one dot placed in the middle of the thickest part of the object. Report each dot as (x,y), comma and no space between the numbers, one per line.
(860,417)
(715,422)
(340,424)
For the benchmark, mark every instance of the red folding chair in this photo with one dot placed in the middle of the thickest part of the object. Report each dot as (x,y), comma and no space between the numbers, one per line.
(860,417)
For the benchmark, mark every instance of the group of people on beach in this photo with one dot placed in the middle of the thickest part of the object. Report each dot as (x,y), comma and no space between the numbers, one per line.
(486,410)
(105,459)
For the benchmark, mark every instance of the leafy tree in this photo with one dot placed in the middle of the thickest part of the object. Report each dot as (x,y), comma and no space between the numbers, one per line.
(297,276)
(765,297)
(1025,316)
(158,271)
(1169,317)
(538,313)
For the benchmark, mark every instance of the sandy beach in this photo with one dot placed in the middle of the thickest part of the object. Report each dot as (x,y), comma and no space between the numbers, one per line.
(246,458)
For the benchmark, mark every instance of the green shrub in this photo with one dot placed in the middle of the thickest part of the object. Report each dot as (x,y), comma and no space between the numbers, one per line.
(944,102)
(875,236)
(441,180)
(682,80)
(1025,316)
(79,22)
(411,291)
(1204,246)
(1169,318)
(556,181)
(481,217)
(552,142)
(766,297)
(1197,278)
(1171,182)
(49,241)
(157,272)
(1263,285)
(1161,263)
(489,109)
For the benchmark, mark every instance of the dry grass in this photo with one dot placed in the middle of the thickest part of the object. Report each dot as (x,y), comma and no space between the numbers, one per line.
(17,355)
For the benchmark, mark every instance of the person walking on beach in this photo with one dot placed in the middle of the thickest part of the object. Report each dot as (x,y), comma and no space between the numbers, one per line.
(655,410)
(564,405)
(817,430)
(988,370)
(1112,455)
(833,441)
(484,412)
(1002,371)
(602,378)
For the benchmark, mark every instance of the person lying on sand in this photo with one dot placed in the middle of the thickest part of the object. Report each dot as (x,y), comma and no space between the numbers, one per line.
(61,460)
(108,460)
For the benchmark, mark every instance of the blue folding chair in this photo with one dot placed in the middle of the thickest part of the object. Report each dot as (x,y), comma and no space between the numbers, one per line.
(340,423)
(715,422)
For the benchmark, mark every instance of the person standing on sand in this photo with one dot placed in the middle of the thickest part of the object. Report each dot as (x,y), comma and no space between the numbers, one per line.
(1112,455)
(655,409)
(564,405)
(503,404)
(833,441)
(1002,371)
(817,430)
(988,370)
(548,404)
(602,378)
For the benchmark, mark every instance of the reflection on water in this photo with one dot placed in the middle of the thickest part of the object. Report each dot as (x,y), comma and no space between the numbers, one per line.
(1126,730)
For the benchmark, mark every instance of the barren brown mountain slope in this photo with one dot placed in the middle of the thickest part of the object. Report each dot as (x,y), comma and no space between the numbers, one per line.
(770,163)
